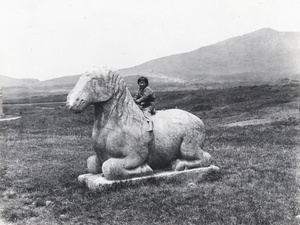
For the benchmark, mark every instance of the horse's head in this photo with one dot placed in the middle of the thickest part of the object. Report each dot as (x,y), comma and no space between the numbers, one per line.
(96,85)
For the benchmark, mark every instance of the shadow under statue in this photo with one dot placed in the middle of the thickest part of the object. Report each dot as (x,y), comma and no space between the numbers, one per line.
(124,148)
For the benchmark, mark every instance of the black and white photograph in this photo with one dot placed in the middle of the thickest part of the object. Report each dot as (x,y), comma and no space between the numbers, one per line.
(163,112)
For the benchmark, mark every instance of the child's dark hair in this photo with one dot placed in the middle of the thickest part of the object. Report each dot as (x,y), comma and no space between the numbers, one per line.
(145,79)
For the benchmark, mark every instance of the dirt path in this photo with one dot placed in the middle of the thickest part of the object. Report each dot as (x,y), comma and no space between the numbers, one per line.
(248,122)
(10,118)
(279,115)
(34,103)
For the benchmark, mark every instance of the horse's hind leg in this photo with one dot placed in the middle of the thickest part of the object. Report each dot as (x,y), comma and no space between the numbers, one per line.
(113,169)
(191,156)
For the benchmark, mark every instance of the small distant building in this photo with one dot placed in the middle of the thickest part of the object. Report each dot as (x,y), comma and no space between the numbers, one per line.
(1,103)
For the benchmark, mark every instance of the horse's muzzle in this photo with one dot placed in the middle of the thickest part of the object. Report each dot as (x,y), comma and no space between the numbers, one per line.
(68,106)
(77,106)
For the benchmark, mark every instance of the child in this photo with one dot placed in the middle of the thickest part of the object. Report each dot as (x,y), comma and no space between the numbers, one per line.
(145,98)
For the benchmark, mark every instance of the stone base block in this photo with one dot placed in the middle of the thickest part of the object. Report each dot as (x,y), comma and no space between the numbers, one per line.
(97,181)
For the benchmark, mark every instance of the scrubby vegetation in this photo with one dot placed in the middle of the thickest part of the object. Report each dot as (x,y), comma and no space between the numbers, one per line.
(43,153)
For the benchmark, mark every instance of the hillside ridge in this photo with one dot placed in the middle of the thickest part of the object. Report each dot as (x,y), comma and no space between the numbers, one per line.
(263,55)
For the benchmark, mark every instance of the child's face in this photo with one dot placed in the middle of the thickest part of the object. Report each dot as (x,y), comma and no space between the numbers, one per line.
(142,84)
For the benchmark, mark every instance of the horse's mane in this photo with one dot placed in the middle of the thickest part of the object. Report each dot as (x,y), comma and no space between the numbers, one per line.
(122,95)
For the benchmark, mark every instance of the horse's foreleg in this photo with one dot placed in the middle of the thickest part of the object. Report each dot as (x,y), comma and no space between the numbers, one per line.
(114,169)
(94,165)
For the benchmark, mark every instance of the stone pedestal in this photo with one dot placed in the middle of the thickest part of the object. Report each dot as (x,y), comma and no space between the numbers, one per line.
(96,181)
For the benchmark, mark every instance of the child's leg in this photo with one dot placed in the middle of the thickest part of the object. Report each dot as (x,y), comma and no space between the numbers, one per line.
(147,114)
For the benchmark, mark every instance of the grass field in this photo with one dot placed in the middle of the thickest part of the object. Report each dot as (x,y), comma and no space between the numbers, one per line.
(252,134)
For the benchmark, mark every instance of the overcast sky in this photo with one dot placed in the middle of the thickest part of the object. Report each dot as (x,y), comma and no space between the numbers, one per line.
(45,39)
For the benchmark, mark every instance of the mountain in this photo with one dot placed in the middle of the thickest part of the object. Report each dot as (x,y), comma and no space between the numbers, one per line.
(6,81)
(62,81)
(67,82)
(263,52)
(264,55)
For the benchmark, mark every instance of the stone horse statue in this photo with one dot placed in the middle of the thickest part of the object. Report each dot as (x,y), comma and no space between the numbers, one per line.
(124,148)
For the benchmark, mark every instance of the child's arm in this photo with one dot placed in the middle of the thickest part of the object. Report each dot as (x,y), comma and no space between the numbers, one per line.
(147,93)
(136,96)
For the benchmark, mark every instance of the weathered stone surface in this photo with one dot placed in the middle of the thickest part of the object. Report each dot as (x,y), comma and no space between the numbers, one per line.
(121,141)
(97,181)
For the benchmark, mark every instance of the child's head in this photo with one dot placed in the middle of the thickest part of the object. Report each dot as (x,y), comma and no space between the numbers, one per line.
(142,82)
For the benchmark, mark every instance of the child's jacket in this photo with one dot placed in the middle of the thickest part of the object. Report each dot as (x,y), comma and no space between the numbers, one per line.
(146,96)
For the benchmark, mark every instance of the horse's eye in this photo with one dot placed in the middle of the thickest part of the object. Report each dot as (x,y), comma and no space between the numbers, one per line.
(94,83)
